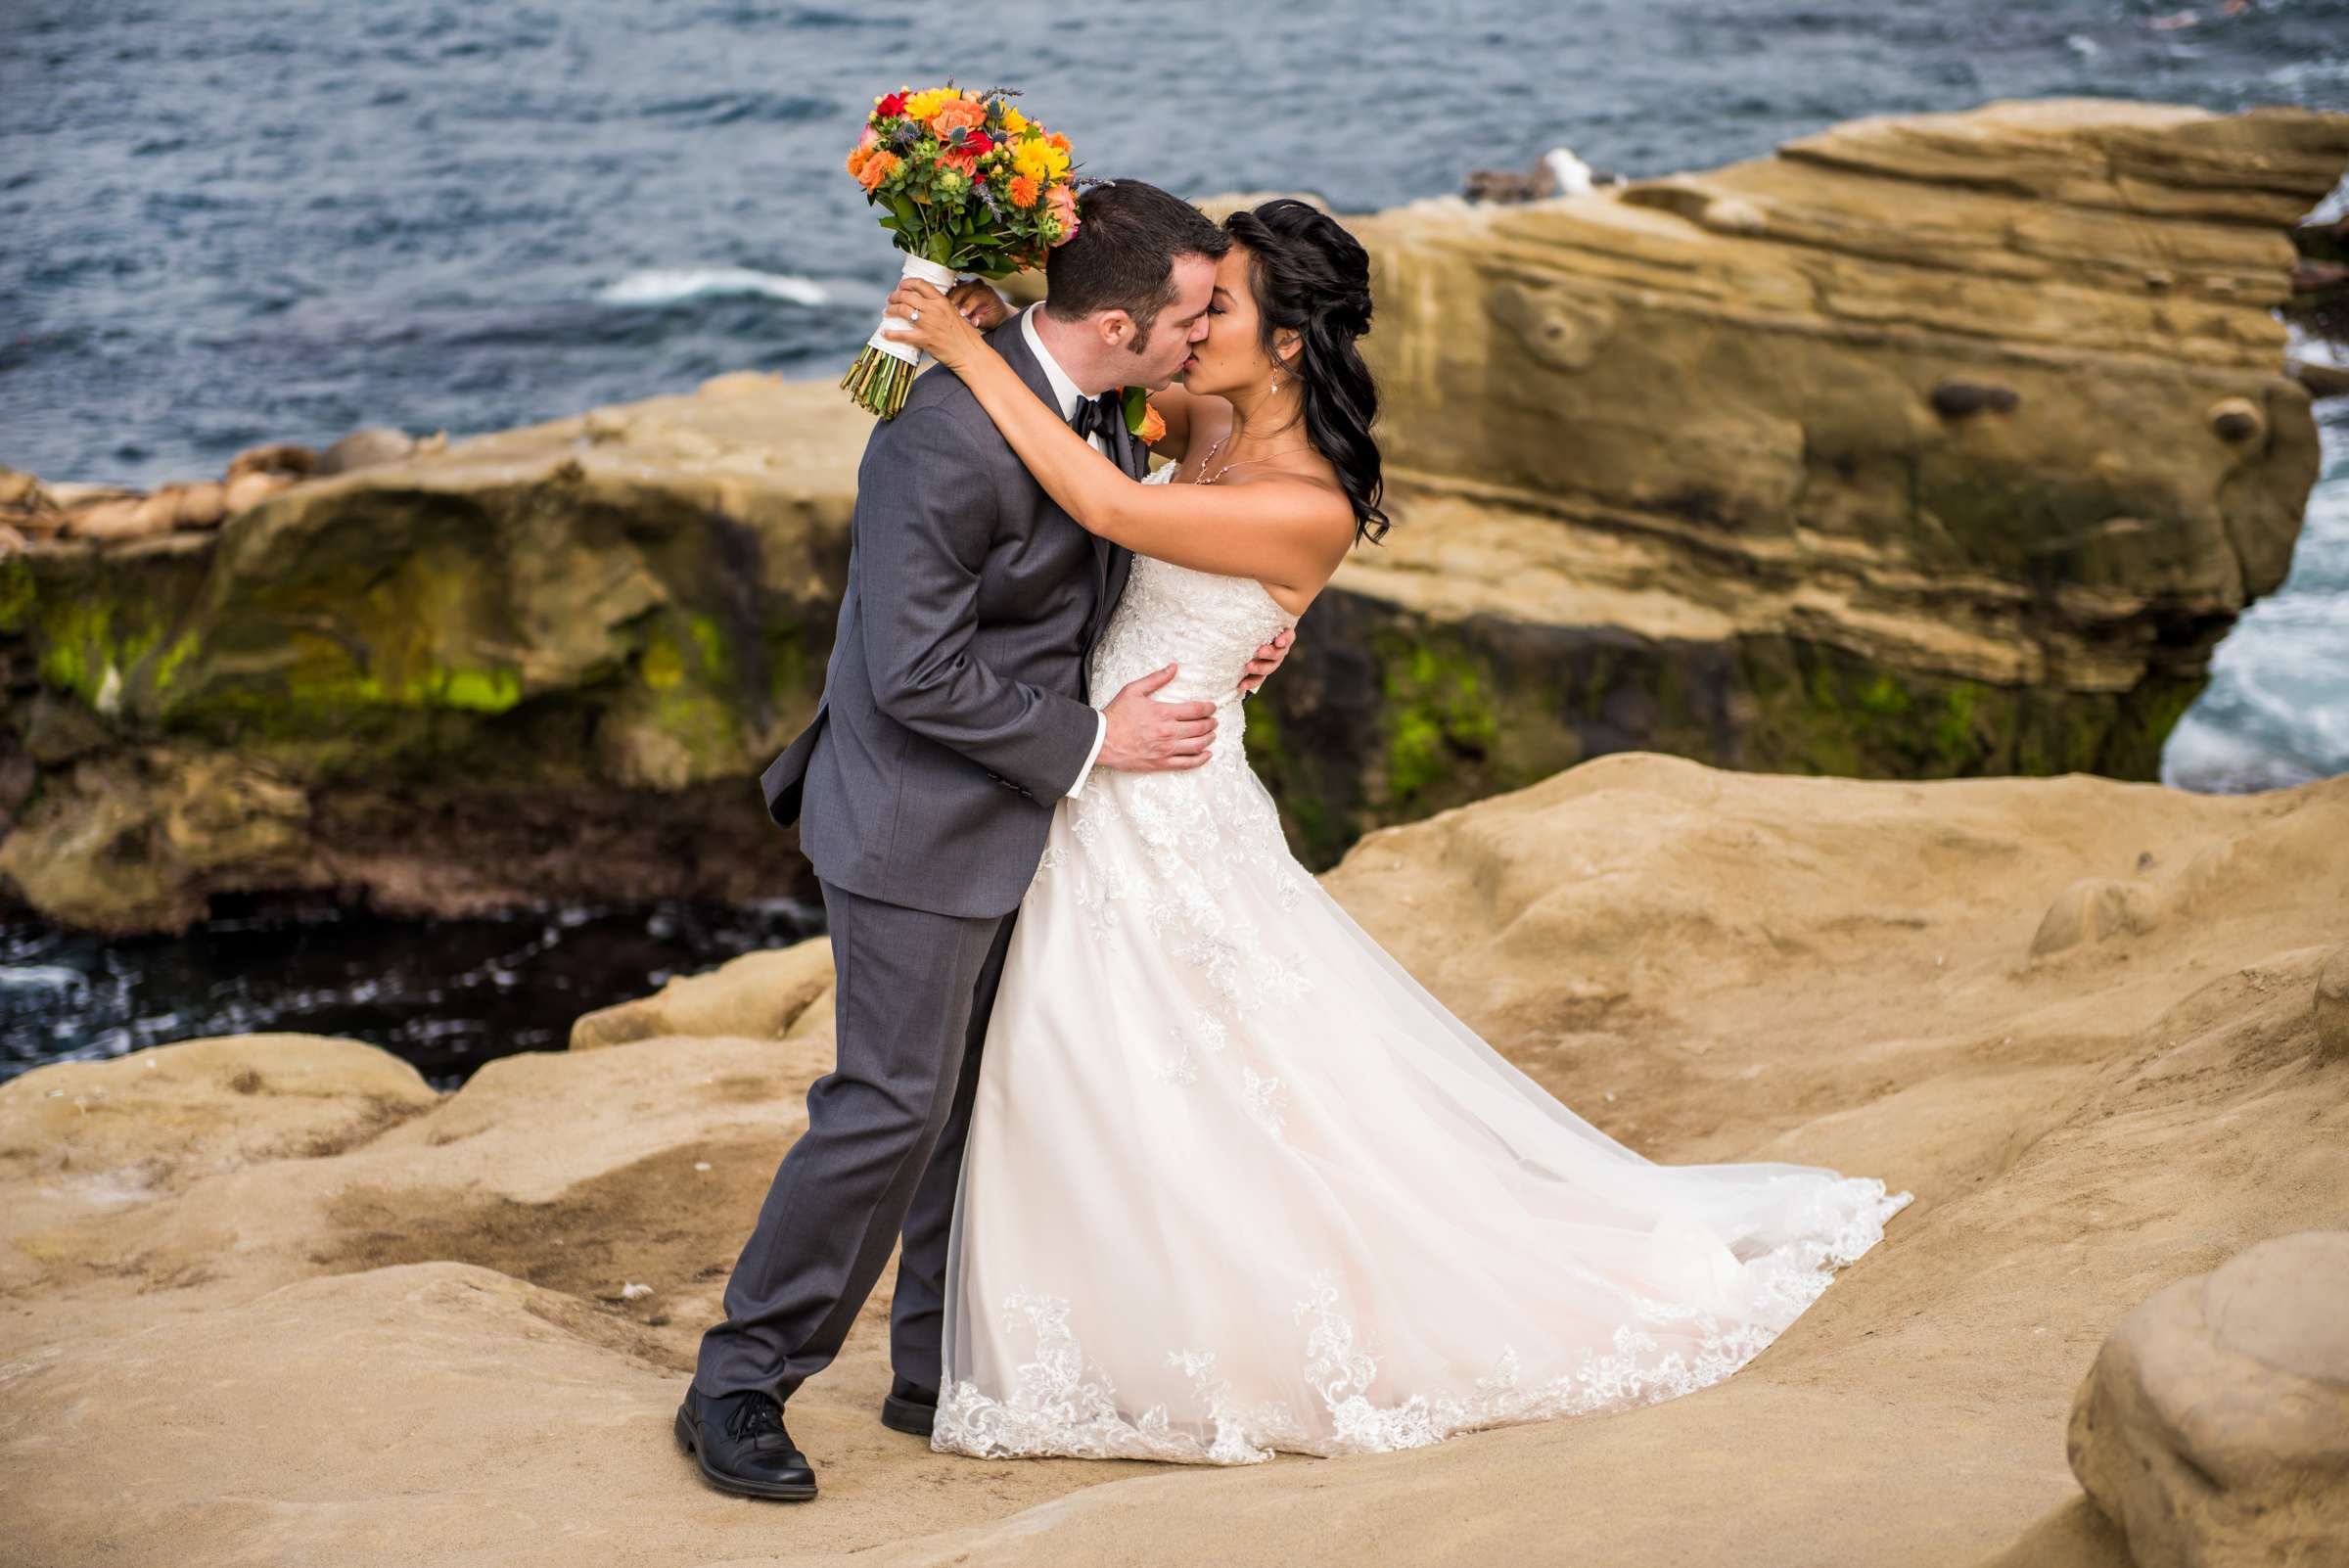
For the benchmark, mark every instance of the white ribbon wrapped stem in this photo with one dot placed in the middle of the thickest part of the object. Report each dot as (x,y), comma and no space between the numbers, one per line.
(942,279)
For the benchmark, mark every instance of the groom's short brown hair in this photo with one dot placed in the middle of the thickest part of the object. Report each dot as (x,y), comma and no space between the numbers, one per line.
(1122,257)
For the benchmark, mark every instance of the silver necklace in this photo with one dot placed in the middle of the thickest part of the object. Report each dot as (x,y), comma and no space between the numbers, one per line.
(1217,446)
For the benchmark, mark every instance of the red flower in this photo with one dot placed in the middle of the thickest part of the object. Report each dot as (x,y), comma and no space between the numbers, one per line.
(893,104)
(978,144)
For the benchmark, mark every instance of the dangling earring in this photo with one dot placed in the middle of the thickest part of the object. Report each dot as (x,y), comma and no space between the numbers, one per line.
(1275,389)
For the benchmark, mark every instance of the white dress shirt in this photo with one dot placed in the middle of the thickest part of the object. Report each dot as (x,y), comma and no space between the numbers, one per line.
(1067,391)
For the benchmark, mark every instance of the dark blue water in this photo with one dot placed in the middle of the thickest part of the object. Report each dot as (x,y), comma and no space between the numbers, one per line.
(240,220)
(247,220)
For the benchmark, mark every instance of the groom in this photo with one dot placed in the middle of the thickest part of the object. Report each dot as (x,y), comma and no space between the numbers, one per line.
(954,715)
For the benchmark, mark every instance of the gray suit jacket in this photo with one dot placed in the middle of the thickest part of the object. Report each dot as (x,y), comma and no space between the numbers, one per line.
(955,711)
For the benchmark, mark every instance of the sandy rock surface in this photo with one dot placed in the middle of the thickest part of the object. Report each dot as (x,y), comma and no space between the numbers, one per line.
(318,1318)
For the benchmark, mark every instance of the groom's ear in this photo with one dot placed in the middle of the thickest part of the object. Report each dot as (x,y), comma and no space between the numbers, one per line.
(1116,327)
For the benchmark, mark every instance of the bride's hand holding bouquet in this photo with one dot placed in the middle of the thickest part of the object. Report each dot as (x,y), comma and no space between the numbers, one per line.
(920,317)
(965,183)
(948,326)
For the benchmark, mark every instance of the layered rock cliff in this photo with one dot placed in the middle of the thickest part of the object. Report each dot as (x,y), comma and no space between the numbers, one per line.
(542,663)
(1932,446)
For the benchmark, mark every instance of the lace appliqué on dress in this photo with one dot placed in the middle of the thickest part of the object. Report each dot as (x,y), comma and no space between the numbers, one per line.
(1062,1404)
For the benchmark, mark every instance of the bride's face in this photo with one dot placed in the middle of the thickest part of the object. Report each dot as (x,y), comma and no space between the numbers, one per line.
(1232,354)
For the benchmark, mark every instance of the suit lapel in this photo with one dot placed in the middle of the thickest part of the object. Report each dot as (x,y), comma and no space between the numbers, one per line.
(1111,565)
(1011,343)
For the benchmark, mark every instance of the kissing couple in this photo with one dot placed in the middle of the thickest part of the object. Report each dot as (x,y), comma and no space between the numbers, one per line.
(1186,1166)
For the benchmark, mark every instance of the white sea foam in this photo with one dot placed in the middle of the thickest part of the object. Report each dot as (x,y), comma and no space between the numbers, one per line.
(659,286)
(2277,710)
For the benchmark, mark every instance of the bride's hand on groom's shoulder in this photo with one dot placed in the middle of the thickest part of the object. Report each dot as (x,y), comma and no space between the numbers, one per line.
(919,315)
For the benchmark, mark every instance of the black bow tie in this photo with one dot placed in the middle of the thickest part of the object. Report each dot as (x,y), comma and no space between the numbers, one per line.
(1099,416)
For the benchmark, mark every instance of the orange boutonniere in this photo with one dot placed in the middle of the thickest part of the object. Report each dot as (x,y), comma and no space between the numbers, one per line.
(1143,421)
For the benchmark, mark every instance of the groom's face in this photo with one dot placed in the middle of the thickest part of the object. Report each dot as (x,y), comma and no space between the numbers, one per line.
(1179,325)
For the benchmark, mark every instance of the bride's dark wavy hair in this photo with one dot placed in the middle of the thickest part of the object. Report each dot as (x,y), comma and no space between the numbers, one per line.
(1313,278)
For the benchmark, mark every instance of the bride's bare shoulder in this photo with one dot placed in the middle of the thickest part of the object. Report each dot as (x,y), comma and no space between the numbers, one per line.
(1192,421)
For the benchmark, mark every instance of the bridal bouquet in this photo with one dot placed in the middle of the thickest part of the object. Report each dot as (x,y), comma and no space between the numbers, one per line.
(965,183)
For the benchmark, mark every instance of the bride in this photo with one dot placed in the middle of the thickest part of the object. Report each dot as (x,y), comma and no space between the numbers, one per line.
(1235,1183)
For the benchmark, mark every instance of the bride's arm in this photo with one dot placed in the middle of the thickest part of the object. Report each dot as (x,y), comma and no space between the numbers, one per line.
(982,307)
(1286,533)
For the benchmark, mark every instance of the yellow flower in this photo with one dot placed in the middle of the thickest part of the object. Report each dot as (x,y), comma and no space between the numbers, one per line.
(924,104)
(1034,160)
(1013,121)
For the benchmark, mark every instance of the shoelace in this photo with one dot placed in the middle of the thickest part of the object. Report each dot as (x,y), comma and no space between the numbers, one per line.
(755,1419)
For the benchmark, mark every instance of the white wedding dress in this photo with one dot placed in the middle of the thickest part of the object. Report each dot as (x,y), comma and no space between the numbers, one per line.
(1235,1183)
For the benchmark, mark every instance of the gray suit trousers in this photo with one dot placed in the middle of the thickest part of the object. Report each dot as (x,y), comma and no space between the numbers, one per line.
(882,1152)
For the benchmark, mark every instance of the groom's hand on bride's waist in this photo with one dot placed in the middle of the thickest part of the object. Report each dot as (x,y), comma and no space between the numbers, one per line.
(1147,736)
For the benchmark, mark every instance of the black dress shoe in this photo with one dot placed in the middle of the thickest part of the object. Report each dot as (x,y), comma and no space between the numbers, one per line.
(742,1446)
(909,1408)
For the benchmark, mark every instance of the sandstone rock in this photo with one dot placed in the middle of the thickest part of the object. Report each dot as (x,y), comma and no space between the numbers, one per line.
(158,512)
(162,1117)
(251,487)
(288,458)
(2211,1429)
(760,995)
(2332,1005)
(2315,277)
(362,448)
(16,487)
(151,835)
(10,542)
(200,505)
(70,497)
(1676,483)
(743,383)
(123,517)
(2093,910)
(562,675)
(1955,400)
(2236,419)
(2321,380)
(1754,966)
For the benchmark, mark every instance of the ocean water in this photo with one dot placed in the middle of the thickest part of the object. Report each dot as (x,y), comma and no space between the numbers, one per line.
(254,221)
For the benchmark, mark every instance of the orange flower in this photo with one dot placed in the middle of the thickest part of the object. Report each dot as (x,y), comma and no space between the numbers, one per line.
(1022,191)
(1064,204)
(877,168)
(1154,426)
(856,160)
(1056,141)
(956,113)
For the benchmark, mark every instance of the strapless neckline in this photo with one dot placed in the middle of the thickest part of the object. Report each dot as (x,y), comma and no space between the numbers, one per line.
(1166,476)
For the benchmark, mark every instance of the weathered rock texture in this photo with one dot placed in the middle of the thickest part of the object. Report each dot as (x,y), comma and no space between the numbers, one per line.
(231,1271)
(1934,445)
(541,663)
(2214,1428)
(1931,445)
